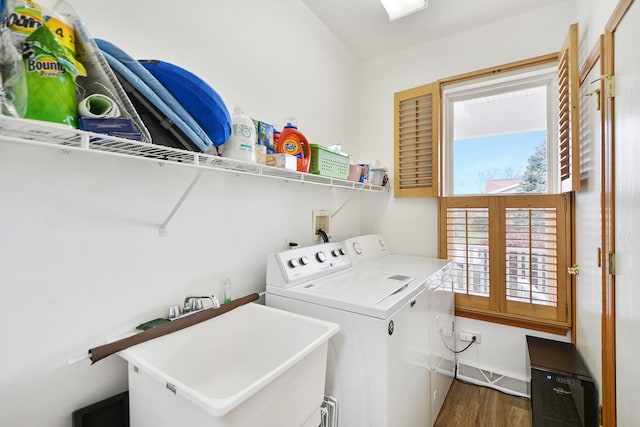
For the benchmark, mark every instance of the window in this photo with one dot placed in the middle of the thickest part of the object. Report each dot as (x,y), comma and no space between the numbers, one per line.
(502,220)
(498,134)
(497,147)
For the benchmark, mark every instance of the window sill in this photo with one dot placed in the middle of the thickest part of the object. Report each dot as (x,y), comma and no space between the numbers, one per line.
(558,328)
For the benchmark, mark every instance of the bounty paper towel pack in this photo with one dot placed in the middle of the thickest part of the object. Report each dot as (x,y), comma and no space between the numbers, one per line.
(47,89)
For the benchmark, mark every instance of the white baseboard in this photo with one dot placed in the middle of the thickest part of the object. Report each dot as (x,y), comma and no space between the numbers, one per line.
(498,381)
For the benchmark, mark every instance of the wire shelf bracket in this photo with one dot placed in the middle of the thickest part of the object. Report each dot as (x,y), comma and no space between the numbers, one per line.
(52,135)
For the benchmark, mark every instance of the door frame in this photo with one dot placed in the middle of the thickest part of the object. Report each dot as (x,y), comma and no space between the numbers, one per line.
(609,418)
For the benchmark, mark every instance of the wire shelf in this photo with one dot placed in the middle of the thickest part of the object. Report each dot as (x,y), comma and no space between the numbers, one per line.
(34,132)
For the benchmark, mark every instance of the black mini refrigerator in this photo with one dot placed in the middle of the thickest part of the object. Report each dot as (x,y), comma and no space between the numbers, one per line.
(563,392)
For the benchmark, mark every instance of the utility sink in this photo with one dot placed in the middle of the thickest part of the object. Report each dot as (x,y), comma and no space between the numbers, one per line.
(252,366)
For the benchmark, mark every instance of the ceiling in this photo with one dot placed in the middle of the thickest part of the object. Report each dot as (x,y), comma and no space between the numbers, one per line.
(364,27)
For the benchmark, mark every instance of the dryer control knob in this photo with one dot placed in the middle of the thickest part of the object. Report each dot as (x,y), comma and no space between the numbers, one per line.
(335,253)
(357,248)
(320,256)
(304,260)
(293,263)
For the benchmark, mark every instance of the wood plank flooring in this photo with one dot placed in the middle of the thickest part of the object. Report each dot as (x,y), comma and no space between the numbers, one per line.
(469,405)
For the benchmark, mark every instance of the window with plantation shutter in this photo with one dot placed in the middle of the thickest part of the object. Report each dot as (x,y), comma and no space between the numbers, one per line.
(468,248)
(487,145)
(531,255)
(509,257)
(416,136)
(568,98)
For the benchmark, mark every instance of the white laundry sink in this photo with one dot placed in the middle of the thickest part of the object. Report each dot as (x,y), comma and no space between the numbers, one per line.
(252,366)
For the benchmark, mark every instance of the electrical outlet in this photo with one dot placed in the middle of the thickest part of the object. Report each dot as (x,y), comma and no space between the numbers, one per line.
(468,336)
(320,219)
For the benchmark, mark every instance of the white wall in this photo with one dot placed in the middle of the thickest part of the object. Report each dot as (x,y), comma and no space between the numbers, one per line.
(410,225)
(592,17)
(275,58)
(81,261)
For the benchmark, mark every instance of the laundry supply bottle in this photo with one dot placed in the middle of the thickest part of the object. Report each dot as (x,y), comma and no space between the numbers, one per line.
(227,290)
(276,138)
(241,144)
(293,142)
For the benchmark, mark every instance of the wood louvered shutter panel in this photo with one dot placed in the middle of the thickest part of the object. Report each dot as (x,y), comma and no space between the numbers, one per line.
(416,142)
(466,240)
(535,233)
(509,255)
(568,110)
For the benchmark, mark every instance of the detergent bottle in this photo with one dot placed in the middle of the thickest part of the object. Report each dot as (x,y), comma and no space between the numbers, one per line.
(276,138)
(241,144)
(293,142)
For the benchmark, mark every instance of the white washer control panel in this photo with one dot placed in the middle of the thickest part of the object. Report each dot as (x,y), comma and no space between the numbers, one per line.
(294,265)
(367,247)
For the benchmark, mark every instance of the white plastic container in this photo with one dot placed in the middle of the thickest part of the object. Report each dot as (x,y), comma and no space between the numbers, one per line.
(252,366)
(376,176)
(241,144)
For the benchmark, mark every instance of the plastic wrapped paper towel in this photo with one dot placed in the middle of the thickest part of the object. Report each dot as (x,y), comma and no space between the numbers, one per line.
(44,87)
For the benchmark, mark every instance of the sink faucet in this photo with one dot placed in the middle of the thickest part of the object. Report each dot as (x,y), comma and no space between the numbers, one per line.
(194,302)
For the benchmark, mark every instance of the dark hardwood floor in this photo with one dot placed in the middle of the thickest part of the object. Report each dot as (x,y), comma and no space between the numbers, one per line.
(469,405)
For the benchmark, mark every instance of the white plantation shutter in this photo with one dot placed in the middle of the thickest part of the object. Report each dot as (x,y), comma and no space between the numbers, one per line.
(531,255)
(416,142)
(468,248)
(535,238)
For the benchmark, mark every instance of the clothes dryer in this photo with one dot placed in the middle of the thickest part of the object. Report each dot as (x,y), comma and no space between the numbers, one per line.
(371,251)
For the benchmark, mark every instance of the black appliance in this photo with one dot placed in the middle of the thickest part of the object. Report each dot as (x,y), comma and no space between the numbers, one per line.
(563,393)
(111,412)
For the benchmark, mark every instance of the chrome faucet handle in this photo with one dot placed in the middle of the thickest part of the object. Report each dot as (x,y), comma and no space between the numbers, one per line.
(194,303)
(174,312)
(214,301)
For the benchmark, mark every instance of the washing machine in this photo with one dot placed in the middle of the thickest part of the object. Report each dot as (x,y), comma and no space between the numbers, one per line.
(380,364)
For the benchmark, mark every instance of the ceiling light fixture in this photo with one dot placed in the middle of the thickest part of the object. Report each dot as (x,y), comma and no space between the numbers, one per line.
(398,8)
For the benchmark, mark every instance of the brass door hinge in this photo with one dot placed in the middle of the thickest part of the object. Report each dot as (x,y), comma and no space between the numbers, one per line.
(611,262)
(609,85)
